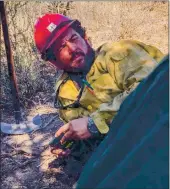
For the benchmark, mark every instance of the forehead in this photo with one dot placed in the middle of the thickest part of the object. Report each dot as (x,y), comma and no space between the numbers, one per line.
(66,35)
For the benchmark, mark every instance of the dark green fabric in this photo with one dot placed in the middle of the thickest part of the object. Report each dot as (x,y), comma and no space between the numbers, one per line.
(135,152)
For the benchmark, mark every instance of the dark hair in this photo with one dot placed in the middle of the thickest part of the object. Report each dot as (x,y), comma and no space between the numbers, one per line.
(78,28)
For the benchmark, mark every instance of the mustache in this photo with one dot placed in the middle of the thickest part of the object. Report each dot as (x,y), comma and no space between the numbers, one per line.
(76,54)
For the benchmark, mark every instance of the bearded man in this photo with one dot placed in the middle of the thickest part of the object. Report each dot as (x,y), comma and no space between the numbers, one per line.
(94,83)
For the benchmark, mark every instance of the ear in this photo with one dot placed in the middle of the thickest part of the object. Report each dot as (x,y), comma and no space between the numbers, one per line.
(87,39)
(85,36)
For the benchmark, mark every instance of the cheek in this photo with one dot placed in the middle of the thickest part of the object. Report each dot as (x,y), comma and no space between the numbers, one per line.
(64,57)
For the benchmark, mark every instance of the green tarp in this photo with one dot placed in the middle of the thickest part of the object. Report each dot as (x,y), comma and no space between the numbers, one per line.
(135,153)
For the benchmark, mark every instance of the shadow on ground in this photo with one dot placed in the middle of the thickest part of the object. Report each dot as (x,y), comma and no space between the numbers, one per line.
(26,160)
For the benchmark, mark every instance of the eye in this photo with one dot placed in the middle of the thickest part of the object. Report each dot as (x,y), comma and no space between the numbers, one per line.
(74,37)
(62,46)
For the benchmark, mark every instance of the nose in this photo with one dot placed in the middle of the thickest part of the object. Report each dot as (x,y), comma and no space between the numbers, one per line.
(71,46)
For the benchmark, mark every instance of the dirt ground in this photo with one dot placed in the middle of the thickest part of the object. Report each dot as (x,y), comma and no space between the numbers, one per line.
(26,160)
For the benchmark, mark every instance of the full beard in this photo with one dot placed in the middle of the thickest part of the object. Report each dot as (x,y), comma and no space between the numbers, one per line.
(82,64)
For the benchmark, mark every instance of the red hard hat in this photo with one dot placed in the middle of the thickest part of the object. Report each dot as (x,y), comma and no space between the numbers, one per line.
(48,28)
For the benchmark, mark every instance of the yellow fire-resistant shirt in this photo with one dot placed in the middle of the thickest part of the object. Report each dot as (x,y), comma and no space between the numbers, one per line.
(118,68)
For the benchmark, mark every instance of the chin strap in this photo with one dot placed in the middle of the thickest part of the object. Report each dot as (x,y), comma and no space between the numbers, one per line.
(80,79)
(76,104)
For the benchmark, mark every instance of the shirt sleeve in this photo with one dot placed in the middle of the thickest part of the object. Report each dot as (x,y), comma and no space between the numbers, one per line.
(128,63)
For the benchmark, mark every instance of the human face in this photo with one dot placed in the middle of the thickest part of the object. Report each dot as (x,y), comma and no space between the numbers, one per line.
(71,50)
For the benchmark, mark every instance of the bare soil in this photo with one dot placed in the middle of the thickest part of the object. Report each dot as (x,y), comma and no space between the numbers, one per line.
(26,160)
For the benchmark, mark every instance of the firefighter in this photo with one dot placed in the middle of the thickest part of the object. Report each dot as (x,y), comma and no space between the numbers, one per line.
(94,83)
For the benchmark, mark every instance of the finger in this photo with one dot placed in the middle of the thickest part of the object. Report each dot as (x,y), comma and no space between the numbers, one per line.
(63,129)
(67,135)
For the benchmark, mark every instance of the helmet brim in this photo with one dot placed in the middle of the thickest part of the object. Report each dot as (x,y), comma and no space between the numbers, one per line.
(56,34)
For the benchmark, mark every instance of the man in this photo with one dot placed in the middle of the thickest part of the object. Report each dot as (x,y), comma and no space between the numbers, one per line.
(94,84)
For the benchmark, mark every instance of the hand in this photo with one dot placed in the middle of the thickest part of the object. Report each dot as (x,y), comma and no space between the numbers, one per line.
(75,129)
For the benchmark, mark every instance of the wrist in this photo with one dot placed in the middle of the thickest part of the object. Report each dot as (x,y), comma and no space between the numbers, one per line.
(92,127)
